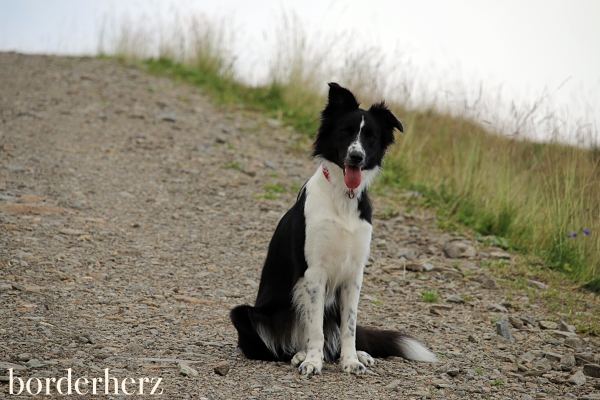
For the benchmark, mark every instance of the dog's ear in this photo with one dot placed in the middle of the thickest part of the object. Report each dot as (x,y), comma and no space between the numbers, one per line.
(385,117)
(341,100)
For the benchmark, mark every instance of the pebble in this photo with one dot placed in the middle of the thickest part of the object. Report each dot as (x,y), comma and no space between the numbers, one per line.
(24,357)
(497,307)
(503,330)
(537,284)
(516,323)
(564,327)
(34,363)
(592,370)
(528,319)
(489,283)
(186,370)
(455,299)
(222,368)
(578,378)
(550,325)
(573,342)
(567,362)
(458,249)
(393,385)
(408,253)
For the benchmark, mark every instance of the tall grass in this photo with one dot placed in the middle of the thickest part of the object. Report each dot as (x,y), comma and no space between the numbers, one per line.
(540,198)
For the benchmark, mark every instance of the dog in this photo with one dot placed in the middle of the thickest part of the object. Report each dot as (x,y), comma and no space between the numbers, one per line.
(307,302)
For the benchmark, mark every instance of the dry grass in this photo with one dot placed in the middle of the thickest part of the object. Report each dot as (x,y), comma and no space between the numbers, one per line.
(534,195)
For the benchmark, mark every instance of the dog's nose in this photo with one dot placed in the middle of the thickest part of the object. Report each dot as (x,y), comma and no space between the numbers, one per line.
(357,156)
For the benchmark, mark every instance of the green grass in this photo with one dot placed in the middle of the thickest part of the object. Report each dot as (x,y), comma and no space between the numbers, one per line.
(430,296)
(273,187)
(514,193)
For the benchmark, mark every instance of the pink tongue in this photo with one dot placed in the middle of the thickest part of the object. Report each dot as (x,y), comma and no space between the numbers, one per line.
(352,177)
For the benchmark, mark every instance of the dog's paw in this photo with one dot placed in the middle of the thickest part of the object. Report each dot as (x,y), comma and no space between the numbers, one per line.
(298,358)
(310,367)
(353,366)
(365,358)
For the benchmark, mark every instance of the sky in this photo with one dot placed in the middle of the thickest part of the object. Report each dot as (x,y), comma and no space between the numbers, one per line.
(514,52)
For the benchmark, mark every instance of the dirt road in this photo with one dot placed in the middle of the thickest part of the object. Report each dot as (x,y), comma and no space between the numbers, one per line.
(134,214)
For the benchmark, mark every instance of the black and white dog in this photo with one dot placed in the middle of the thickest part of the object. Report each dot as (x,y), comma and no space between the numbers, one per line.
(307,301)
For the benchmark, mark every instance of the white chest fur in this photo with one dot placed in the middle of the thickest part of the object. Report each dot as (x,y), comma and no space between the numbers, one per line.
(337,240)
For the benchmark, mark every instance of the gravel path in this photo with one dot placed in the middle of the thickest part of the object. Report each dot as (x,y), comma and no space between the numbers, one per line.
(134,215)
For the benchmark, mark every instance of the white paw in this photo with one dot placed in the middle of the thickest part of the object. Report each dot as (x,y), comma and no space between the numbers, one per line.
(353,366)
(310,367)
(298,358)
(365,358)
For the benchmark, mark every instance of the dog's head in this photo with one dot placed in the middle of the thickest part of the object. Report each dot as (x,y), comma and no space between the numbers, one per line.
(352,138)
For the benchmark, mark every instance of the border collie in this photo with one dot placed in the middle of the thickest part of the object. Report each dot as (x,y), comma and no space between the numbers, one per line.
(307,300)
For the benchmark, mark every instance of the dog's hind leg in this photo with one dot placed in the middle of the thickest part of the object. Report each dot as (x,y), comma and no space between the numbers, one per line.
(244,319)
(309,298)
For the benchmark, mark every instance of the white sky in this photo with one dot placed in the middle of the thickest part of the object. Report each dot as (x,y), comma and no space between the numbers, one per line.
(515,49)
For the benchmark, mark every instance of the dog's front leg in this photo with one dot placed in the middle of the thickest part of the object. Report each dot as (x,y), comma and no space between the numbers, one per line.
(310,299)
(349,359)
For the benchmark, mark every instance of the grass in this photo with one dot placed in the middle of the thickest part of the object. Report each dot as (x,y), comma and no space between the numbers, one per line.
(430,296)
(514,193)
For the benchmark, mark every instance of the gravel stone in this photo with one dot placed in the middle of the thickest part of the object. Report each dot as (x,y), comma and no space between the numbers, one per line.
(578,378)
(186,370)
(503,330)
(592,370)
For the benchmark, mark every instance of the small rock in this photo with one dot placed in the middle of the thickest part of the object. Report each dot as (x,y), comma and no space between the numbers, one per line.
(578,378)
(83,339)
(489,283)
(440,309)
(496,307)
(269,164)
(503,330)
(528,357)
(166,117)
(584,358)
(134,347)
(453,371)
(420,394)
(548,325)
(573,342)
(458,249)
(393,385)
(567,362)
(562,334)
(71,232)
(564,327)
(221,139)
(526,397)
(222,368)
(592,370)
(537,284)
(186,370)
(24,357)
(33,363)
(542,365)
(18,287)
(528,319)
(252,283)
(408,253)
(500,254)
(516,323)
(472,339)
(455,299)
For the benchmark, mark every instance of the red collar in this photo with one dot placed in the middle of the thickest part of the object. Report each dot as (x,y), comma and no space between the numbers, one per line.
(326,174)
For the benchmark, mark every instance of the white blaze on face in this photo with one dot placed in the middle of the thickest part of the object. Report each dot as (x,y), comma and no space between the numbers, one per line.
(356,145)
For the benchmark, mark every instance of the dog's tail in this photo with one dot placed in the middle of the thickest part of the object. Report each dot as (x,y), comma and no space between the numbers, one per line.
(391,343)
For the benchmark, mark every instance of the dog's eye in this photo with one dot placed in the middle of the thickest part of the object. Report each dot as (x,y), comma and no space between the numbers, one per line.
(370,137)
